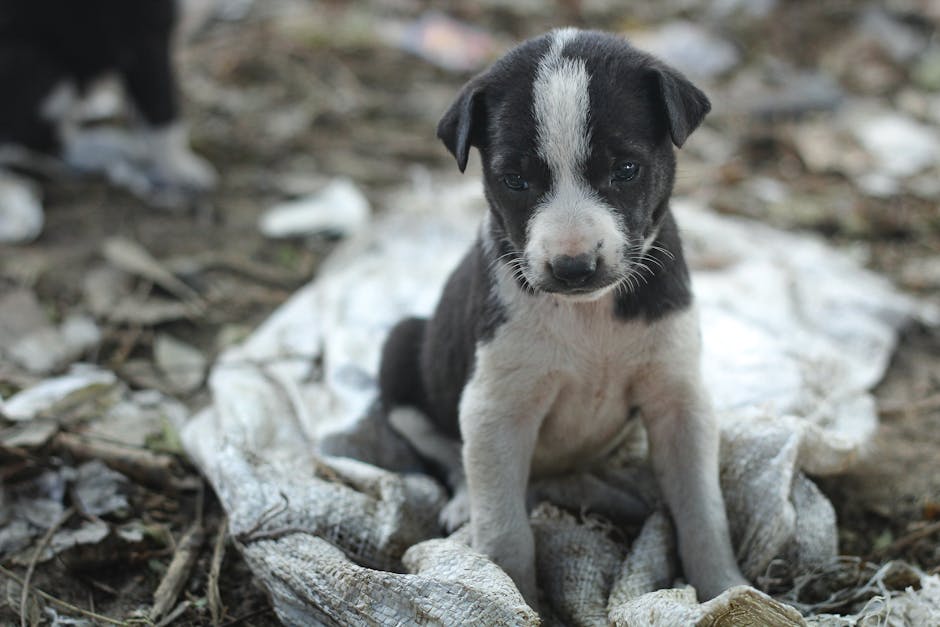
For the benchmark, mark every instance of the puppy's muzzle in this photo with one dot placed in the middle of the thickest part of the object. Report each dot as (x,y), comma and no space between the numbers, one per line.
(573,271)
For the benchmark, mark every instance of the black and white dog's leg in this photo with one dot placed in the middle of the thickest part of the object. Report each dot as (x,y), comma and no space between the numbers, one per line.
(174,173)
(35,93)
(402,395)
(500,427)
(417,429)
(684,446)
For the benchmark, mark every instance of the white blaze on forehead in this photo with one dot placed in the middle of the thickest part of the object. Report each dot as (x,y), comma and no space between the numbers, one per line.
(561,108)
(572,219)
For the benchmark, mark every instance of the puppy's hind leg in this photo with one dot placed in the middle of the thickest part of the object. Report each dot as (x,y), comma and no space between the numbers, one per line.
(175,175)
(442,451)
(403,399)
(400,368)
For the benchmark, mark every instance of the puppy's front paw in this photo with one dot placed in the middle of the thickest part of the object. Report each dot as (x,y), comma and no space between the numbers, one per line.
(718,583)
(178,179)
(189,171)
(457,511)
(515,554)
(175,174)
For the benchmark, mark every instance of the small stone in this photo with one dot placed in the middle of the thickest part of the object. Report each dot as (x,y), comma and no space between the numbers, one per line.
(690,48)
(101,490)
(50,348)
(926,73)
(21,216)
(899,145)
(182,365)
(921,273)
(900,41)
(823,148)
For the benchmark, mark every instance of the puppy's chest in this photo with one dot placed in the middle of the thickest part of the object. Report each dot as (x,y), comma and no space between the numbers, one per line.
(588,361)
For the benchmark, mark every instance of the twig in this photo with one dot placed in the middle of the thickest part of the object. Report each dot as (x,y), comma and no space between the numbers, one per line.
(177,573)
(126,343)
(176,613)
(151,469)
(266,516)
(24,595)
(905,541)
(244,617)
(260,273)
(900,407)
(135,259)
(215,569)
(60,603)
(271,534)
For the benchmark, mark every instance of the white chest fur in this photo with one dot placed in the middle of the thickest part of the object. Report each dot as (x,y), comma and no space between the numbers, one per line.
(579,370)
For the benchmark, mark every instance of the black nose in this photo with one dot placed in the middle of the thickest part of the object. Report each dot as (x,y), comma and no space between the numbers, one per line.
(574,271)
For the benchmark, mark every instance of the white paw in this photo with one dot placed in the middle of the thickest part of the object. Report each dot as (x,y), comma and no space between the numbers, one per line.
(457,511)
(175,175)
(187,171)
(21,214)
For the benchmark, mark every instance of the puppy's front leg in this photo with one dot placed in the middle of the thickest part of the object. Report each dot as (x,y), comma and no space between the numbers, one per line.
(684,440)
(499,422)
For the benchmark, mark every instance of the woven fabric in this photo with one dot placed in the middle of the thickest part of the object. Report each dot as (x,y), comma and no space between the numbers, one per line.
(349,535)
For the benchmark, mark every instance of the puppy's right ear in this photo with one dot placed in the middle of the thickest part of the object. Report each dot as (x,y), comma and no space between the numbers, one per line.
(462,124)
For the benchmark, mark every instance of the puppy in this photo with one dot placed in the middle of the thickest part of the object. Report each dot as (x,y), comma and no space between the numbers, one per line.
(572,313)
(52,51)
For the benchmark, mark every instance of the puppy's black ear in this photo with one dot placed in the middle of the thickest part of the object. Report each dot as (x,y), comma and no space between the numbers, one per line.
(462,124)
(686,105)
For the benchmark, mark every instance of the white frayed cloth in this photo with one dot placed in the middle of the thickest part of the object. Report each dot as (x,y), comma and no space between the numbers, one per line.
(795,336)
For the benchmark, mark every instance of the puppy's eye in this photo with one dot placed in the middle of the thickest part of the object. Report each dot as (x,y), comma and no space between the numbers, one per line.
(515,182)
(625,171)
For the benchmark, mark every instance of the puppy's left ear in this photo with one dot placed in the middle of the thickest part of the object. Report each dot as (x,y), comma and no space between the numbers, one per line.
(462,123)
(685,104)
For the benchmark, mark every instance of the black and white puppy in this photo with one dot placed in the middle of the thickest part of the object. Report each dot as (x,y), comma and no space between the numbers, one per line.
(572,313)
(51,51)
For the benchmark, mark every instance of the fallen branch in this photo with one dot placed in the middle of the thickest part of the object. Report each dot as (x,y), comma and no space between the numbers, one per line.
(905,541)
(903,407)
(177,573)
(172,616)
(133,258)
(215,569)
(24,595)
(146,467)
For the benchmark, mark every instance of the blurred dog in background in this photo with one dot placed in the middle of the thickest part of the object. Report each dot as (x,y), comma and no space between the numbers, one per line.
(52,55)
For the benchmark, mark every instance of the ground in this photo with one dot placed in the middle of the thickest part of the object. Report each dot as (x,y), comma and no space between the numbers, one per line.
(292,94)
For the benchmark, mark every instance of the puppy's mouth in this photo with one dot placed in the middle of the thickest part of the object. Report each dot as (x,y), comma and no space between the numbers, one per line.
(577,278)
(591,291)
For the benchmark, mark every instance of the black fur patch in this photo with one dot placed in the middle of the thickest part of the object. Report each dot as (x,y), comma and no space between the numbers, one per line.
(467,313)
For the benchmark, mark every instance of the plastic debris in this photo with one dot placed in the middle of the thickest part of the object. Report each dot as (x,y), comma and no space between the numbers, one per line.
(338,209)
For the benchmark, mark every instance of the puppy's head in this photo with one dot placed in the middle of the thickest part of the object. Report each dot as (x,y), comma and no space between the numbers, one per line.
(575,130)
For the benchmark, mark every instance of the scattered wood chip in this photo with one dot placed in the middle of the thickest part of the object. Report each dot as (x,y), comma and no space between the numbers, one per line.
(212,593)
(151,469)
(177,573)
(133,258)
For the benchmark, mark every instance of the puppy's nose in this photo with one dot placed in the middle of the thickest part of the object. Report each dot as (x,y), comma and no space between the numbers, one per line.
(574,271)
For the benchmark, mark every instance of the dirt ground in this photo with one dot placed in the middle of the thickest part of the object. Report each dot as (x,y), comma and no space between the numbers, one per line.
(292,94)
